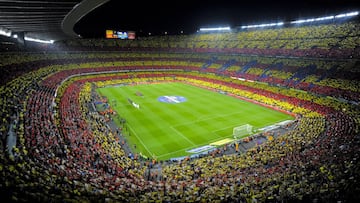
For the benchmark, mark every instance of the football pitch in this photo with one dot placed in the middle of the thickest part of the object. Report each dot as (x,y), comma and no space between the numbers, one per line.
(174,118)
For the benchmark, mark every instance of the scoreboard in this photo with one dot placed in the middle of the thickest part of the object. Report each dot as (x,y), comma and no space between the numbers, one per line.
(114,34)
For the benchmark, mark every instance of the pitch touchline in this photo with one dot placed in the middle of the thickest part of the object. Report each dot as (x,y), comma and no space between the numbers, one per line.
(192,147)
(139,139)
(184,149)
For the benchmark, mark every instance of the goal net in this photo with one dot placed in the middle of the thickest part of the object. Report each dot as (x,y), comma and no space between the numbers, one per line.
(241,131)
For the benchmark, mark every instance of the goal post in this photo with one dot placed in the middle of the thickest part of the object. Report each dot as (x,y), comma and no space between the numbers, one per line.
(241,131)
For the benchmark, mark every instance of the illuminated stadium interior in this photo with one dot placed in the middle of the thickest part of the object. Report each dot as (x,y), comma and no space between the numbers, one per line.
(73,123)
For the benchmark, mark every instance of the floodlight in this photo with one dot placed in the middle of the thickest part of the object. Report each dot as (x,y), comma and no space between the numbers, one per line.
(263,25)
(343,15)
(340,16)
(5,32)
(39,40)
(350,14)
(215,29)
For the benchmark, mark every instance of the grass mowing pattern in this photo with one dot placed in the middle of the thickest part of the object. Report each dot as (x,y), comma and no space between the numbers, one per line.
(167,130)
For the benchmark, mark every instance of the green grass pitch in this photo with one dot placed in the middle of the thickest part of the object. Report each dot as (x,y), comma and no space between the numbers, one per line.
(168,130)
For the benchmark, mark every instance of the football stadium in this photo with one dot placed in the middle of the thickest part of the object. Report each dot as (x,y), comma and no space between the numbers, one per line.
(257,113)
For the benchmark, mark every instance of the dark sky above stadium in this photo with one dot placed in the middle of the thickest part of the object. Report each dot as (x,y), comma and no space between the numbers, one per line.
(157,17)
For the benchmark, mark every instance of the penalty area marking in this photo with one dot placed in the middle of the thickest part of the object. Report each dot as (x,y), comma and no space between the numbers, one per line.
(179,133)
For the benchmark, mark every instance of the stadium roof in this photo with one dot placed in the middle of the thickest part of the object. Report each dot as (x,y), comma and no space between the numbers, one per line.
(44,19)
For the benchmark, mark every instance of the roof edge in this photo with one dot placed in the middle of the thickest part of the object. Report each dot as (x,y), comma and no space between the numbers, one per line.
(79,11)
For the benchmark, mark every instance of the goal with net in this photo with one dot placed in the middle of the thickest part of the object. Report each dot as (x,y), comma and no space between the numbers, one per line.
(241,131)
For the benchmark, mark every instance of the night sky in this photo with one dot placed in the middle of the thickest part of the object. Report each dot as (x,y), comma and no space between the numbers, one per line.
(188,16)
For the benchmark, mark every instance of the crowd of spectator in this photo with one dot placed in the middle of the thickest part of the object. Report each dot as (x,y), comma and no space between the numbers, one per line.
(85,158)
(338,40)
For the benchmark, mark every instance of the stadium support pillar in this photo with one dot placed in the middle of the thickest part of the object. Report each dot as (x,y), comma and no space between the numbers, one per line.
(20,38)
